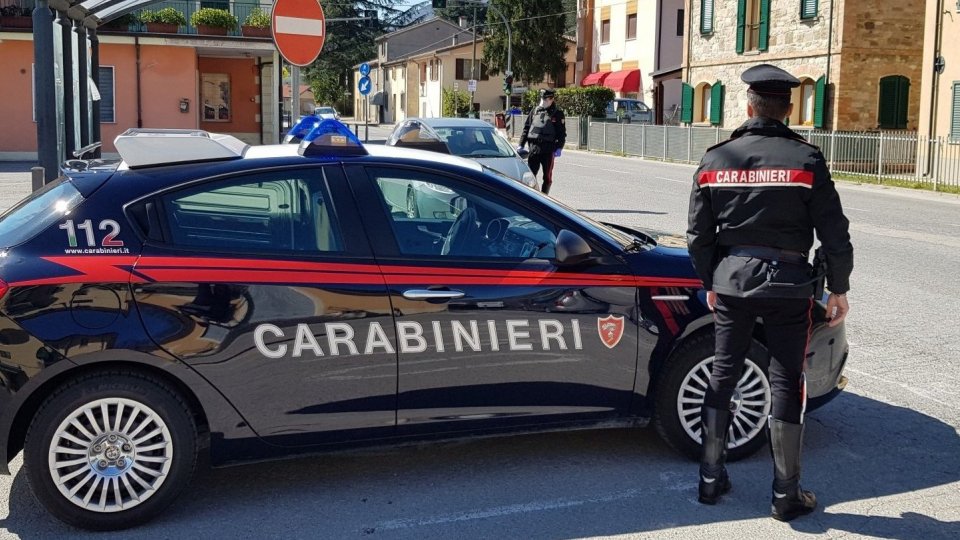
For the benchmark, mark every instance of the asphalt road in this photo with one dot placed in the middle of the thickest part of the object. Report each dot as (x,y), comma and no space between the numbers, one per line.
(884,457)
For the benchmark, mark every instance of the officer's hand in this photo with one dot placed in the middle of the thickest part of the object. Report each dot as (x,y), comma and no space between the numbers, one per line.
(837,308)
(519,148)
(556,153)
(711,300)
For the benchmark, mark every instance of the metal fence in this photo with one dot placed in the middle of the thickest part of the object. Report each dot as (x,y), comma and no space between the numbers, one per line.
(881,155)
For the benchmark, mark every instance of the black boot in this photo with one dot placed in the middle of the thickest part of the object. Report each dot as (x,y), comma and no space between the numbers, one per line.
(789,500)
(714,481)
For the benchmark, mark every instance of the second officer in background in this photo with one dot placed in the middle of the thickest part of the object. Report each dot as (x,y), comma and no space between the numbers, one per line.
(546,132)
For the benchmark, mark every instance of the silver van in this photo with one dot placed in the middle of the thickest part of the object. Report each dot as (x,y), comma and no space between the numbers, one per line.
(629,111)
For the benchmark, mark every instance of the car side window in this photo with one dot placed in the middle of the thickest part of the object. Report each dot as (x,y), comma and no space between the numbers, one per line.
(434,215)
(289,211)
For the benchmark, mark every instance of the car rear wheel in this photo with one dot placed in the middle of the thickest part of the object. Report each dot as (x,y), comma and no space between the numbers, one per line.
(683,385)
(110,450)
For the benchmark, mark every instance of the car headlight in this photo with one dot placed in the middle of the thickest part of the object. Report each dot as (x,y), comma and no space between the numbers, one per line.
(528,179)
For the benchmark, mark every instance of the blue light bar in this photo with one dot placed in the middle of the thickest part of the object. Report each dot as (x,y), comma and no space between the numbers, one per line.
(302,128)
(331,139)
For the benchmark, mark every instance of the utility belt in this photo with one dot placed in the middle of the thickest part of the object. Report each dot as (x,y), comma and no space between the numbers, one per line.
(768,253)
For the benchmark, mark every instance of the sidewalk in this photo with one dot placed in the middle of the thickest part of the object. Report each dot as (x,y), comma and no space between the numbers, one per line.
(14,182)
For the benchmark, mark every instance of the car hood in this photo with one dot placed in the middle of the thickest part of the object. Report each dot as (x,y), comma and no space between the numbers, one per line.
(509,166)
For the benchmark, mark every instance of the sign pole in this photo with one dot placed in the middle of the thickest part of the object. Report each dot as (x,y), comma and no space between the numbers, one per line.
(294,94)
(366,118)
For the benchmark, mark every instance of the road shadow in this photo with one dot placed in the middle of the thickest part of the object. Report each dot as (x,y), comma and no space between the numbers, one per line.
(563,485)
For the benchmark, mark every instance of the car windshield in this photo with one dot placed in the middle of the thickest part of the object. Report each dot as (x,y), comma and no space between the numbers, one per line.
(325,110)
(475,142)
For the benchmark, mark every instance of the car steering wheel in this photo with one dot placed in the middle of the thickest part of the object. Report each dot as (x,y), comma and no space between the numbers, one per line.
(460,233)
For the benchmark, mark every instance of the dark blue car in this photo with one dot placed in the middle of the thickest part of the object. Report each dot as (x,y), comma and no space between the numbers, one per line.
(205,299)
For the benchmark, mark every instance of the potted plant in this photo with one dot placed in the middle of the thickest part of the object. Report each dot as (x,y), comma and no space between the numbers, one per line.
(257,24)
(213,21)
(14,16)
(166,20)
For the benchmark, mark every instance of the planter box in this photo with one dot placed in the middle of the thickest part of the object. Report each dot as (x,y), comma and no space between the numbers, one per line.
(211,30)
(256,31)
(161,28)
(16,22)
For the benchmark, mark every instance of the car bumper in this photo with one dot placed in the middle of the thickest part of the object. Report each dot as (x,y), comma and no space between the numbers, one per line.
(826,356)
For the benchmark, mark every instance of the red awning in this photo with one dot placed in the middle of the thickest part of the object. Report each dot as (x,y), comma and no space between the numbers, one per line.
(595,79)
(627,80)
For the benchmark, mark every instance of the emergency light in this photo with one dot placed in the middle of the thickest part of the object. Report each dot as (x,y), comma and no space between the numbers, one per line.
(302,128)
(331,139)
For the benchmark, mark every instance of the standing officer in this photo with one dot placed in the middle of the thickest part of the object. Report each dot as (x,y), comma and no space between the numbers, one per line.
(756,201)
(547,133)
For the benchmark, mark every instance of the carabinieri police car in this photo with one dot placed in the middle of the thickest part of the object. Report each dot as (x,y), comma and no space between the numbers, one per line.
(209,299)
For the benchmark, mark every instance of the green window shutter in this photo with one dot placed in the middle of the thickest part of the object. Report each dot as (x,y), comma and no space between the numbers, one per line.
(819,102)
(686,104)
(764,24)
(894,102)
(741,23)
(955,114)
(808,9)
(716,104)
(888,102)
(903,102)
(706,16)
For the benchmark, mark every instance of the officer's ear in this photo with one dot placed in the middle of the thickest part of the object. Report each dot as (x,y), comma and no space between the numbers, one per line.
(789,111)
(749,110)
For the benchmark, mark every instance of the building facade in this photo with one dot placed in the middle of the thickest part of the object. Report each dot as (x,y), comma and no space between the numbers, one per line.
(940,100)
(224,84)
(618,43)
(859,62)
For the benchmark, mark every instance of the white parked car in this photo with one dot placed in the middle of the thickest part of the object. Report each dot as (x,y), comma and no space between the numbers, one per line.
(326,113)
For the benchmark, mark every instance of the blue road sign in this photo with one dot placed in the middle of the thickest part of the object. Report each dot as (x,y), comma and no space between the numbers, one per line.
(364,69)
(364,85)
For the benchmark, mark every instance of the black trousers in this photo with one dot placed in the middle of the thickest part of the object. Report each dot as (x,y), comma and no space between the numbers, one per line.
(542,157)
(787,322)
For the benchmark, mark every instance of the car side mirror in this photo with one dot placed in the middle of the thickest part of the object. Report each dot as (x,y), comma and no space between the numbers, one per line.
(571,248)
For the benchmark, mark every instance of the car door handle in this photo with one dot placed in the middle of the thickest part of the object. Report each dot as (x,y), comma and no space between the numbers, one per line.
(428,294)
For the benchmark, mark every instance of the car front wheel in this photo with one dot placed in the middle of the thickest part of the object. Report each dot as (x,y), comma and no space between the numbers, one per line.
(109,451)
(683,385)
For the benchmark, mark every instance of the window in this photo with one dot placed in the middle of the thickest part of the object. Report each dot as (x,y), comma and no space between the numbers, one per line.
(41,209)
(807,102)
(434,70)
(632,26)
(894,101)
(215,5)
(808,9)
(465,72)
(107,103)
(288,211)
(605,31)
(706,16)
(680,23)
(705,103)
(439,216)
(955,114)
(753,27)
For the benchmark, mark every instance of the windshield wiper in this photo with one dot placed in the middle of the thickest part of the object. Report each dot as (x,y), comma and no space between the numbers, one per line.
(636,245)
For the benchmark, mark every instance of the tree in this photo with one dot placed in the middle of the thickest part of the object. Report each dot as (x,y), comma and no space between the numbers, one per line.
(347,44)
(539,46)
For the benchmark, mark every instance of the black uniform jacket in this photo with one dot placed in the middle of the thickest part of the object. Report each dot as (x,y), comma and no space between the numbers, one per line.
(552,121)
(766,187)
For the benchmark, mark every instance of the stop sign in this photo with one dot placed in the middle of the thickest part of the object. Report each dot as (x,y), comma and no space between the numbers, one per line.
(298,30)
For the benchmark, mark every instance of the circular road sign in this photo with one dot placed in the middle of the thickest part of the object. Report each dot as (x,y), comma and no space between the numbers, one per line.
(363,85)
(299,28)
(364,69)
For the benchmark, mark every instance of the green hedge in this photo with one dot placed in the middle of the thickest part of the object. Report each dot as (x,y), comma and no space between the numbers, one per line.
(455,103)
(257,19)
(166,15)
(574,100)
(219,18)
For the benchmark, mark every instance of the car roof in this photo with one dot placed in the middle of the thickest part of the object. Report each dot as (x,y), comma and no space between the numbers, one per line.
(374,150)
(452,122)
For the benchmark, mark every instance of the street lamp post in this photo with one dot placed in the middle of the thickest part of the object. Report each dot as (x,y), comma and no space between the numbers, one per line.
(509,70)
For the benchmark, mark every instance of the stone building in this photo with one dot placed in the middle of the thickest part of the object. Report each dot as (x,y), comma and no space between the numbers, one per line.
(860,63)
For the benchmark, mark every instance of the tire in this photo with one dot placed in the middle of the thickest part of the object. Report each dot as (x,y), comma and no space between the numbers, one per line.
(412,211)
(678,388)
(149,471)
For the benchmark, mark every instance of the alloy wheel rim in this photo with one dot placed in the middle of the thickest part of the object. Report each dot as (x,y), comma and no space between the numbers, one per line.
(110,455)
(749,406)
